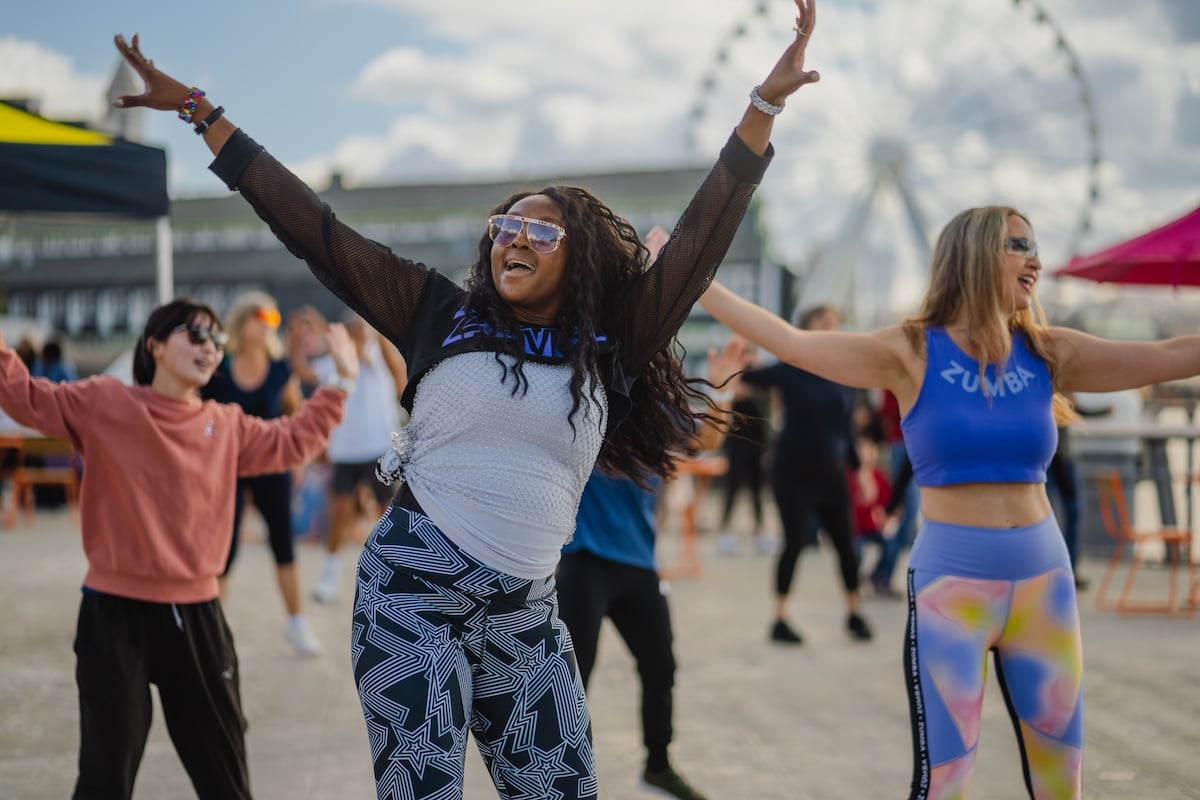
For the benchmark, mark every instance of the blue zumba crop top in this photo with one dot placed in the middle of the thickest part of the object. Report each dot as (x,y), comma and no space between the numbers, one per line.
(955,433)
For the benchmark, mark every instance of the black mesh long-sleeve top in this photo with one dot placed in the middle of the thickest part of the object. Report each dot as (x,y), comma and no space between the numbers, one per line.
(500,474)
(388,290)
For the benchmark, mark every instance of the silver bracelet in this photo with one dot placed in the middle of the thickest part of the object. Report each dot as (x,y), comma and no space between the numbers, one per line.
(770,109)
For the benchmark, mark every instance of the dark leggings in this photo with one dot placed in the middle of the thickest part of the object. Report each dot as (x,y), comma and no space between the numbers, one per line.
(804,505)
(745,471)
(592,588)
(273,499)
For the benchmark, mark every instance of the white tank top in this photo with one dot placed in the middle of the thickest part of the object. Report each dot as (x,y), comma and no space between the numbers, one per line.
(372,409)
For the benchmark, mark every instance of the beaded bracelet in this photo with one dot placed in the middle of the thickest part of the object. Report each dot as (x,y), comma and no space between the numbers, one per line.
(188,107)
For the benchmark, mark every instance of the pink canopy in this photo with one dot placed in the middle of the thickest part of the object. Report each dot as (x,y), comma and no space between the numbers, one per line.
(1169,256)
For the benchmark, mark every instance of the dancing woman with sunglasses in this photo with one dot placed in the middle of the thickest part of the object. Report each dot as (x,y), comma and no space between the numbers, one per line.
(255,376)
(978,376)
(157,512)
(556,356)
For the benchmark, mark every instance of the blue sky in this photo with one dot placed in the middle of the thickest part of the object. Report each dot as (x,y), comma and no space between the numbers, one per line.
(395,90)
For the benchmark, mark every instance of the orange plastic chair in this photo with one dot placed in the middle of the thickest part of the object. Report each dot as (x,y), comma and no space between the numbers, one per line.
(26,476)
(1115,514)
(702,468)
(14,442)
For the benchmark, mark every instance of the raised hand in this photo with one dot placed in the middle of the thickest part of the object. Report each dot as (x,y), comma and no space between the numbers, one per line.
(655,240)
(789,74)
(162,91)
(725,364)
(343,350)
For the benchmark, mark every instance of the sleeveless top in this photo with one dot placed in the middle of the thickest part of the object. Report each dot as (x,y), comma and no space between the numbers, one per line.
(264,400)
(964,430)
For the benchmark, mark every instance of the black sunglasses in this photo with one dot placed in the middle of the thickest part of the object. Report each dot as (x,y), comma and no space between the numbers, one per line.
(198,335)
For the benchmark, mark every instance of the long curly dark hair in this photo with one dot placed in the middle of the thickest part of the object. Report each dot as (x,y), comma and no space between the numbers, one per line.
(606,254)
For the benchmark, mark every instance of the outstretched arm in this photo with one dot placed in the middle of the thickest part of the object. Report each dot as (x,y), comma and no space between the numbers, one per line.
(273,445)
(56,409)
(383,288)
(724,367)
(396,365)
(661,298)
(1090,364)
(863,361)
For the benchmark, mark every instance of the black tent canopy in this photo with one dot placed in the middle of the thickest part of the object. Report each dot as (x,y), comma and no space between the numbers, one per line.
(51,168)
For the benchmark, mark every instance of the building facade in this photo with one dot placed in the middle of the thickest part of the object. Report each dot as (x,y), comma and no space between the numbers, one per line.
(94,281)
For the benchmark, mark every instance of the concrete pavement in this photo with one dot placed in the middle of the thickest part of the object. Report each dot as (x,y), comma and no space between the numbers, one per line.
(753,722)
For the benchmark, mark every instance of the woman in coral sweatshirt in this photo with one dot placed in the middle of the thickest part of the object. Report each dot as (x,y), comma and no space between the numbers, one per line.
(157,511)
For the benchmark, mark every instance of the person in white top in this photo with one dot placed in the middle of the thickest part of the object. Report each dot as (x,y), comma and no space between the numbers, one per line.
(1116,408)
(372,415)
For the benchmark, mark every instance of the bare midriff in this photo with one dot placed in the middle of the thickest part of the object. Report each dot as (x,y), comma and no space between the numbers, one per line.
(986,505)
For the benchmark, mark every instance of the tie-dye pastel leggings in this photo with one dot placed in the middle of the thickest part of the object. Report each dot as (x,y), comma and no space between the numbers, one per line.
(1010,591)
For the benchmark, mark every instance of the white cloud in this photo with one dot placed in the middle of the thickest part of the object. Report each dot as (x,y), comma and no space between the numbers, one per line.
(406,74)
(29,70)
(421,146)
(978,95)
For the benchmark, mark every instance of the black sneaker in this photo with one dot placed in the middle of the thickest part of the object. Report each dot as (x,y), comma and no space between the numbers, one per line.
(669,781)
(858,628)
(883,589)
(783,633)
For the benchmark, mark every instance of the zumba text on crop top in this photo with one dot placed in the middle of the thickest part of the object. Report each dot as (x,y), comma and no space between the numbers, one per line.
(961,431)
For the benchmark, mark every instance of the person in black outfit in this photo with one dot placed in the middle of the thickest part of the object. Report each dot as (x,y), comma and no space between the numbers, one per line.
(812,456)
(745,446)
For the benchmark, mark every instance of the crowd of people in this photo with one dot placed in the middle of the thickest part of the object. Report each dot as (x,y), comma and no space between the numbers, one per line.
(547,404)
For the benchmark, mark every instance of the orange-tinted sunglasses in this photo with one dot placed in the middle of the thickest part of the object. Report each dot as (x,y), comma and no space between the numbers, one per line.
(269,317)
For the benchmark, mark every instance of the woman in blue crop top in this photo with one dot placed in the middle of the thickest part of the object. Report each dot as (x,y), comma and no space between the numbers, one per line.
(978,374)
(555,357)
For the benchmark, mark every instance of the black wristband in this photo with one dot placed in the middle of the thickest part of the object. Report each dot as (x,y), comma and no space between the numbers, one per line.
(208,121)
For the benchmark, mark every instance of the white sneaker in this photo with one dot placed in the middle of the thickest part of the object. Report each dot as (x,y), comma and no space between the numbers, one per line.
(301,637)
(326,590)
(727,543)
(766,544)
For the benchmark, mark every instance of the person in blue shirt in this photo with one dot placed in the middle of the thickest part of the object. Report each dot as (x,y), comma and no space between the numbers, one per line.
(609,570)
(53,365)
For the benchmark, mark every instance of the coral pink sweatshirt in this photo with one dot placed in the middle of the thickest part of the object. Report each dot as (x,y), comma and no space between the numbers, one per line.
(159,473)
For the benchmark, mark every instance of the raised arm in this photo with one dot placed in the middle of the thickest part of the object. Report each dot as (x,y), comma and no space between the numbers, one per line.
(1089,364)
(863,361)
(277,444)
(660,299)
(397,366)
(380,286)
(56,409)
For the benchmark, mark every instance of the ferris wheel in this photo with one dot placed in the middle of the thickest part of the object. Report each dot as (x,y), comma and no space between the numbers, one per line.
(924,108)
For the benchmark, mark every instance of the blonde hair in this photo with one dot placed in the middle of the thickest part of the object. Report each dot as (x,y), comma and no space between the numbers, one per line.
(243,307)
(967,284)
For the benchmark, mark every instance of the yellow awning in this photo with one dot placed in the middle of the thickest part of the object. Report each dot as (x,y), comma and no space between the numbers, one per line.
(19,127)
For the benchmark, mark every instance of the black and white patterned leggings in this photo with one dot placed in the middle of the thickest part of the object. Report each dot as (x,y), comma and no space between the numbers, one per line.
(441,643)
